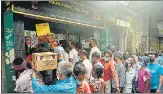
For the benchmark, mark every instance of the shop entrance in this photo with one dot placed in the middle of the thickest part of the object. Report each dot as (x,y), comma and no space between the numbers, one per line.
(62,31)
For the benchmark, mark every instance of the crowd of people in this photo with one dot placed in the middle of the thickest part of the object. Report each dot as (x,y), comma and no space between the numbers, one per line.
(111,72)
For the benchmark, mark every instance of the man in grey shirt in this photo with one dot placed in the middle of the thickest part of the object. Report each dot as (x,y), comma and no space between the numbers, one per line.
(120,69)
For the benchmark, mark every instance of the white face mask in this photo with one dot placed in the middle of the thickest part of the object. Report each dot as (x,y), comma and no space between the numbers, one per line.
(106,59)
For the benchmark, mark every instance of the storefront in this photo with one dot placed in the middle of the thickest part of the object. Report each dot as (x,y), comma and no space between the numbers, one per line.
(117,32)
(66,20)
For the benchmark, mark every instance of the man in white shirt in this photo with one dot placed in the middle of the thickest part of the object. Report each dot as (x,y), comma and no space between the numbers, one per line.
(93,49)
(60,50)
(86,62)
(24,82)
(73,54)
(129,76)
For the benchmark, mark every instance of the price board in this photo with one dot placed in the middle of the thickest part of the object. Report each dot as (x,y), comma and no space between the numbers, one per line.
(43,29)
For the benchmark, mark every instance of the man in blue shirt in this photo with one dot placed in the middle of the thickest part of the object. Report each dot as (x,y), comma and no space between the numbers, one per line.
(66,83)
(157,73)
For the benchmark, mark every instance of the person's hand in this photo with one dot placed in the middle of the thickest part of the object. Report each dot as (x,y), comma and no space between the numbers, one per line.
(33,74)
(144,91)
(33,67)
(135,58)
(158,91)
(118,90)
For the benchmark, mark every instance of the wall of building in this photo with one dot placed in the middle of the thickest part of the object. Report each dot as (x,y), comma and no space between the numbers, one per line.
(153,31)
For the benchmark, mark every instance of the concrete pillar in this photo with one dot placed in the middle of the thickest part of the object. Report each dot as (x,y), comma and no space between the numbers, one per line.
(145,32)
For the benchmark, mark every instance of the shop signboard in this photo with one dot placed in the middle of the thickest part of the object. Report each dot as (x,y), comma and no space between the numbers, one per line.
(9,50)
(63,11)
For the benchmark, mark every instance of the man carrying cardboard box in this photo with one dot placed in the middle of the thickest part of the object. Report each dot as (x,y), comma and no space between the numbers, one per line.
(66,83)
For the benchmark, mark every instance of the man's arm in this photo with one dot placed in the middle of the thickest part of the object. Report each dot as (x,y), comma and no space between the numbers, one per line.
(122,77)
(114,74)
(71,57)
(90,55)
(160,70)
(102,89)
(160,84)
(147,84)
(137,62)
(38,88)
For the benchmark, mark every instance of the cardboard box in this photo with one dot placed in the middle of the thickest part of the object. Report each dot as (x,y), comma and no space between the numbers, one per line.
(44,61)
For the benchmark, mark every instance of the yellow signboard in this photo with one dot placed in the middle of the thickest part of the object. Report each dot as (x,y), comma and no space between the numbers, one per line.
(43,29)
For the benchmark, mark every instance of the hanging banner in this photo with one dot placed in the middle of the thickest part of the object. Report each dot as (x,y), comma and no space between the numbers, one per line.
(62,11)
(43,29)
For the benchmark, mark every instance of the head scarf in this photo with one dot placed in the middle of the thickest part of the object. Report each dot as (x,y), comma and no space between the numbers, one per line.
(20,67)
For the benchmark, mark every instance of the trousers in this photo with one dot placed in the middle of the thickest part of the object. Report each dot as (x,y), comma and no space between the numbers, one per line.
(108,86)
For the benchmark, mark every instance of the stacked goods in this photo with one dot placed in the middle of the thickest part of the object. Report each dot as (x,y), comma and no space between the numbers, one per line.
(44,61)
(42,39)
(32,36)
(34,39)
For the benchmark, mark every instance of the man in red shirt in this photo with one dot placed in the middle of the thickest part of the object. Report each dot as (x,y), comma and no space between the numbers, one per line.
(109,71)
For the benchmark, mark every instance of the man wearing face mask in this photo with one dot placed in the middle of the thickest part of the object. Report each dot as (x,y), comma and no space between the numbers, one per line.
(120,68)
(79,72)
(129,76)
(157,74)
(86,62)
(109,71)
